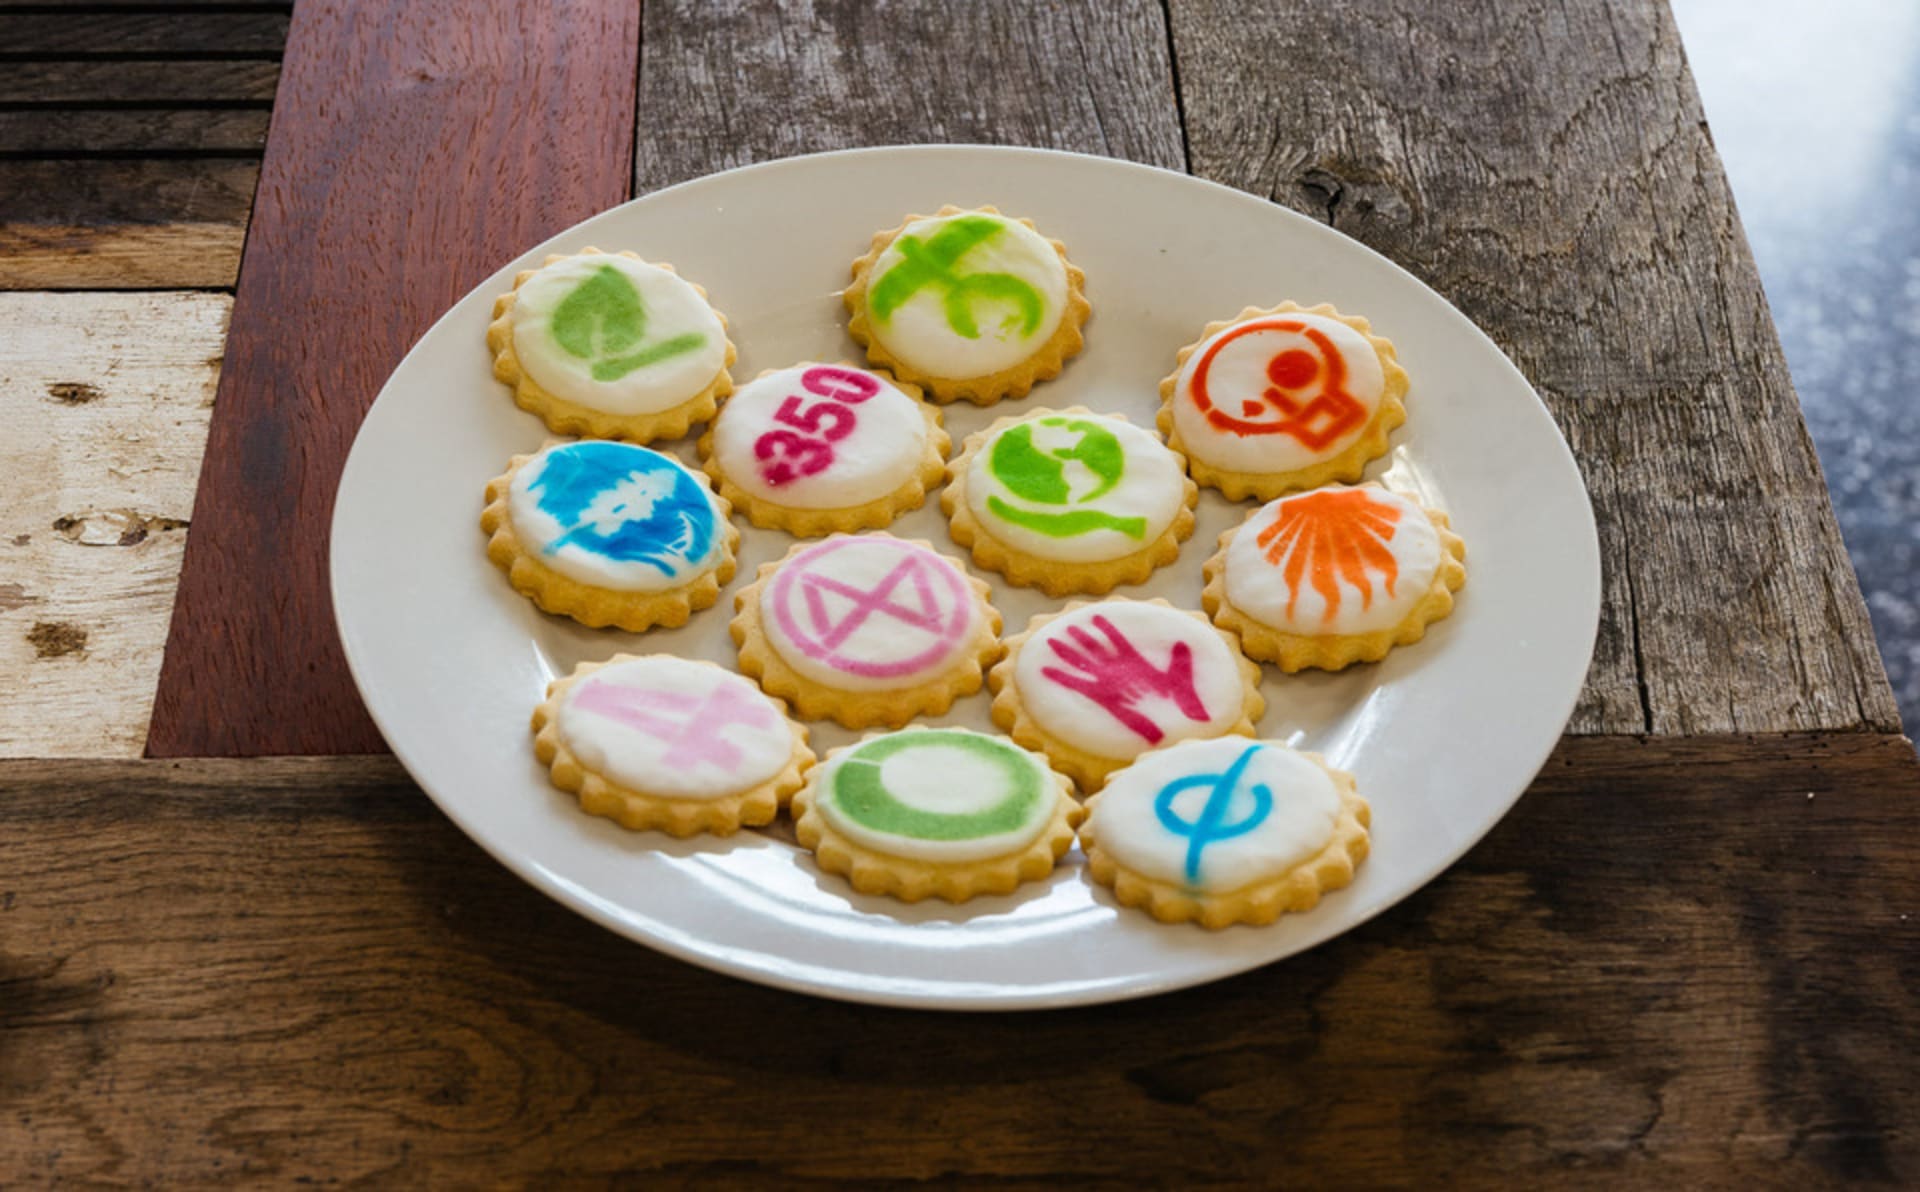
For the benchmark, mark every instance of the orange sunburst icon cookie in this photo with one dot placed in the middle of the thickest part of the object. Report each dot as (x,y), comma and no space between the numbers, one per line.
(1335,540)
(1334,576)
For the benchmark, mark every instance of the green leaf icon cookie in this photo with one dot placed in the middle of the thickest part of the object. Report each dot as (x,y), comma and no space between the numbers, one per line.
(602,316)
(603,319)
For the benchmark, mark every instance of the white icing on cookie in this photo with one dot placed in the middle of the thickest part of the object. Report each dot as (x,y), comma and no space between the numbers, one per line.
(944,795)
(674,728)
(966,295)
(1074,487)
(1277,393)
(820,436)
(1336,560)
(1121,676)
(869,613)
(615,334)
(1215,816)
(616,516)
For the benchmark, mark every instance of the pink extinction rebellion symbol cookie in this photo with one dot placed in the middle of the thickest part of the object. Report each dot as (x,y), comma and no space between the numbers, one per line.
(693,735)
(874,607)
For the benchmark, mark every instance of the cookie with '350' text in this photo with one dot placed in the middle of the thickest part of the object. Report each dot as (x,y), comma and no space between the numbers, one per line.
(608,346)
(609,534)
(935,812)
(1069,501)
(815,448)
(867,629)
(1271,401)
(658,741)
(967,304)
(1334,576)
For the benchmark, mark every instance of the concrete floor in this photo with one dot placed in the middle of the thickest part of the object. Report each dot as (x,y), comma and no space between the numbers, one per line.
(1816,113)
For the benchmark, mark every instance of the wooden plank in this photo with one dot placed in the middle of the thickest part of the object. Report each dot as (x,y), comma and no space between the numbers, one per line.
(25,36)
(1548,168)
(749,83)
(253,667)
(148,83)
(123,224)
(104,400)
(56,132)
(1680,963)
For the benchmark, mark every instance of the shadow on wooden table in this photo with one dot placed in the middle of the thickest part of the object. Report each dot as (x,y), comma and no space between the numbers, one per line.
(1612,977)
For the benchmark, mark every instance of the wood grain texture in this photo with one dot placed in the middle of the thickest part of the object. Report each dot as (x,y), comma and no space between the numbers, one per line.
(30,36)
(104,401)
(129,142)
(107,224)
(748,82)
(203,81)
(64,132)
(361,256)
(1547,168)
(1676,963)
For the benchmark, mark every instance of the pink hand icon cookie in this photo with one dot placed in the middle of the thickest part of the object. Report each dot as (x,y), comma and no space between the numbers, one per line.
(1098,685)
(1116,676)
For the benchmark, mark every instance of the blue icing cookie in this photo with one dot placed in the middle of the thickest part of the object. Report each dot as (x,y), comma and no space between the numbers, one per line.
(609,508)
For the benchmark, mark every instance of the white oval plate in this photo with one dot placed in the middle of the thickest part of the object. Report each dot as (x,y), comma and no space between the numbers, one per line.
(1443,736)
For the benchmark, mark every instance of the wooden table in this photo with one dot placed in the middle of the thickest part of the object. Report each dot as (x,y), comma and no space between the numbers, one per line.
(1687,958)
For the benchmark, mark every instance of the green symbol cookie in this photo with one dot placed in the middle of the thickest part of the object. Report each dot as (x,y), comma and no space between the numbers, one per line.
(1041,477)
(603,320)
(931,263)
(859,794)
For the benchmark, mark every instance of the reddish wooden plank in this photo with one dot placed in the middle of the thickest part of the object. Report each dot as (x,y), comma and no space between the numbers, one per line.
(413,149)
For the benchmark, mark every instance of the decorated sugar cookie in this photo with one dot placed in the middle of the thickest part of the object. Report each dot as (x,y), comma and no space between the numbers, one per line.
(669,743)
(967,304)
(609,534)
(609,346)
(935,812)
(1276,400)
(1334,576)
(866,629)
(821,447)
(1069,501)
(1225,831)
(1100,683)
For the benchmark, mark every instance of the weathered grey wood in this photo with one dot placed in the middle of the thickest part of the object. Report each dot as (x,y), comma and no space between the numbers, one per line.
(104,401)
(1547,167)
(50,132)
(729,84)
(1677,963)
(148,83)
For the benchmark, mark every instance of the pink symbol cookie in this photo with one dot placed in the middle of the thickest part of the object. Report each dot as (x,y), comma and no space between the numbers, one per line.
(802,444)
(1116,676)
(693,736)
(878,608)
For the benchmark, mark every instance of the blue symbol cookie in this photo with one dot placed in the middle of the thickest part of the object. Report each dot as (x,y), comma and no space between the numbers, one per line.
(1225,830)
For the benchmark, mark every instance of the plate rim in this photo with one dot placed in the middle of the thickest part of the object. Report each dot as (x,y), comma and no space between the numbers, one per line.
(559,888)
